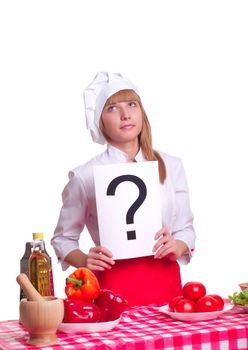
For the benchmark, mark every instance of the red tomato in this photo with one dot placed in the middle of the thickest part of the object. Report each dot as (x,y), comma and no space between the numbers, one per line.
(174,301)
(194,290)
(219,300)
(185,305)
(206,304)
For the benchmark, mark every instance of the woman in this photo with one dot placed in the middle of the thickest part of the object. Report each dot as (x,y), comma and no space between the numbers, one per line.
(115,115)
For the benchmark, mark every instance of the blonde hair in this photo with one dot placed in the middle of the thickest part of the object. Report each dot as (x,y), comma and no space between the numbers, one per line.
(145,136)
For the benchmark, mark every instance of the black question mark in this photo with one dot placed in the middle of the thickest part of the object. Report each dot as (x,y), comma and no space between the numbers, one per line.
(135,206)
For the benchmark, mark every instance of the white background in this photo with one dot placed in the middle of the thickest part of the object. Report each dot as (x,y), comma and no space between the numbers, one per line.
(189,61)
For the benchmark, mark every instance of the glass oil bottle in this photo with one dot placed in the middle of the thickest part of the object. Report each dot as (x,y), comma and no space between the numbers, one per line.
(40,269)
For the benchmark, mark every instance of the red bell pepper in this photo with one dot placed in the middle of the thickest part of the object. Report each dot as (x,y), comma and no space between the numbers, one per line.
(111,305)
(82,284)
(77,311)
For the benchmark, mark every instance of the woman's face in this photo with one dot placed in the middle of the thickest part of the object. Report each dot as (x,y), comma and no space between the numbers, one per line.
(122,121)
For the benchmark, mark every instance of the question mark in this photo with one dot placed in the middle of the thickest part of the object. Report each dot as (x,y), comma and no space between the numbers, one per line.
(135,206)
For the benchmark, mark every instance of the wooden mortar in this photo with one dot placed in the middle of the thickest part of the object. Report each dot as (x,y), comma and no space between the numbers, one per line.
(40,315)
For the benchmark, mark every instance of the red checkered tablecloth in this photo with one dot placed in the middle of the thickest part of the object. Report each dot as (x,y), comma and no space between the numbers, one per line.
(145,328)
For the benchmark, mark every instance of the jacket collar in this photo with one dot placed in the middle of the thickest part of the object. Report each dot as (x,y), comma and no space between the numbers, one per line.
(120,156)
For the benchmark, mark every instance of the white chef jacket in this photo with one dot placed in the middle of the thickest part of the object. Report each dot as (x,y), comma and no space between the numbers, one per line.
(79,204)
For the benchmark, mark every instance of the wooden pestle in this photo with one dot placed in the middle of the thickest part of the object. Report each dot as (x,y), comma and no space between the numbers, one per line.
(31,293)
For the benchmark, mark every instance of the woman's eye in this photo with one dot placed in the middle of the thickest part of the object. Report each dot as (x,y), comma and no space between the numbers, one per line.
(111,108)
(132,104)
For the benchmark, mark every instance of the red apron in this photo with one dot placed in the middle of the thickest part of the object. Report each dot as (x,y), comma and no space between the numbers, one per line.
(144,280)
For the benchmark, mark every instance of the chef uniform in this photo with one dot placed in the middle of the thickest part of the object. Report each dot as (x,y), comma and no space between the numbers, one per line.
(142,280)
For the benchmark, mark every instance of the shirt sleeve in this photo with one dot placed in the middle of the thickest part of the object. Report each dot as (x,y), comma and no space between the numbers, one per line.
(71,219)
(183,228)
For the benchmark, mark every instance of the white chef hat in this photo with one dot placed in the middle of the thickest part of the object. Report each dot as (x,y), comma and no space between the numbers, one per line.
(96,94)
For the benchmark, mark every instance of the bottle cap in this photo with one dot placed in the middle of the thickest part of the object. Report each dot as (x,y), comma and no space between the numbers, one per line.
(38,236)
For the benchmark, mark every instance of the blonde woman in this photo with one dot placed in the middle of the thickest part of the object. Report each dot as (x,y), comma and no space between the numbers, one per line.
(115,116)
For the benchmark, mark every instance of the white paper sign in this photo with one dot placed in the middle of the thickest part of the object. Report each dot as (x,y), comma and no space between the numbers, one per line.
(128,207)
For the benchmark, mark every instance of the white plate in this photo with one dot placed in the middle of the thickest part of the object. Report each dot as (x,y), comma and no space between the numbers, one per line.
(88,327)
(240,308)
(194,316)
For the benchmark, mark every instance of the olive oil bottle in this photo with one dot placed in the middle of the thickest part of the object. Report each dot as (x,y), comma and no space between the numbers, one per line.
(40,267)
(24,265)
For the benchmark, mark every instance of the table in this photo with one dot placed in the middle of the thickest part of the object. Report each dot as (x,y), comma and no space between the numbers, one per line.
(145,328)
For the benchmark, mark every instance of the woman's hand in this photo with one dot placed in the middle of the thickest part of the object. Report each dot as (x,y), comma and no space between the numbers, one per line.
(99,259)
(167,246)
